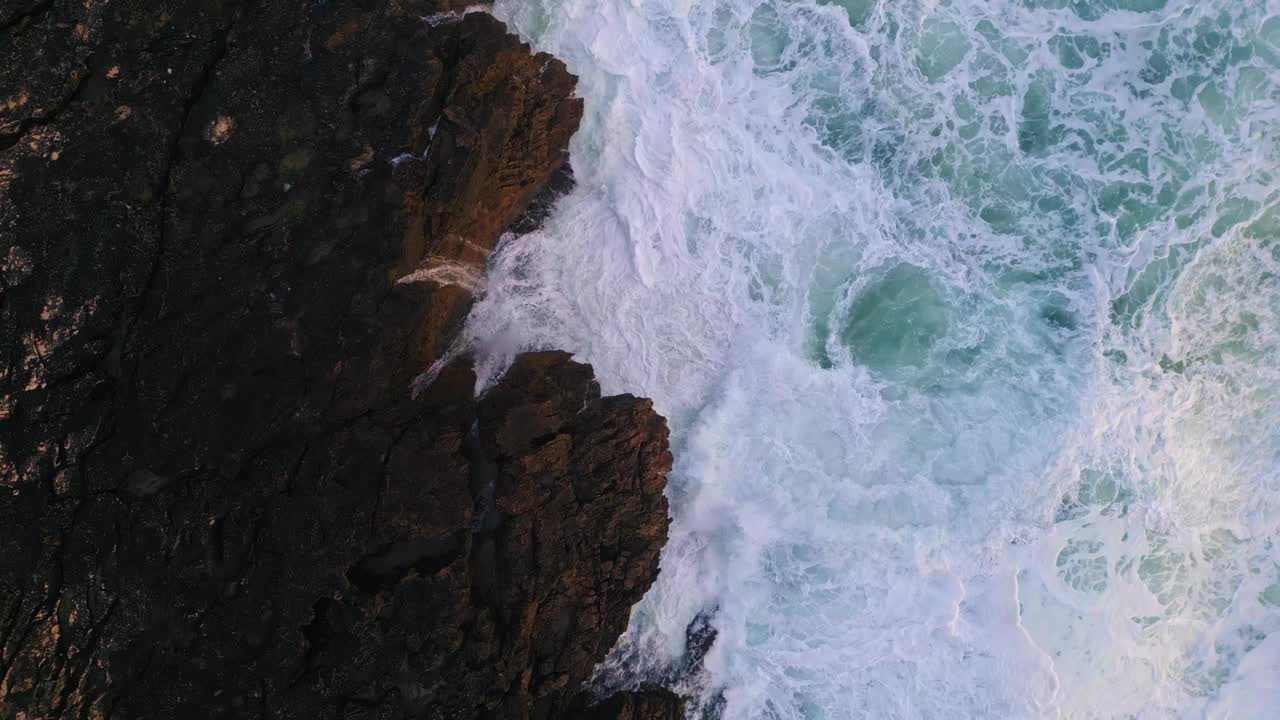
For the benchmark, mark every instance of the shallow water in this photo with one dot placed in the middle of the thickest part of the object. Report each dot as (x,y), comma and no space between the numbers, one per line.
(966,318)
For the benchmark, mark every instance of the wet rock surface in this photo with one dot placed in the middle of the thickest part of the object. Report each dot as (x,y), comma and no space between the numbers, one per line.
(649,695)
(231,236)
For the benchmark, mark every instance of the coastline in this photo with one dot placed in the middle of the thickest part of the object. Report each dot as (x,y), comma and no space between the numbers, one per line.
(233,236)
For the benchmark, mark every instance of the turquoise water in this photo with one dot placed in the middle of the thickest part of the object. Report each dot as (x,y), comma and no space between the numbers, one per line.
(966,317)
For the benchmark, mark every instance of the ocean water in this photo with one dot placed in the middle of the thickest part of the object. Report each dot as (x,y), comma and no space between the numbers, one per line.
(966,318)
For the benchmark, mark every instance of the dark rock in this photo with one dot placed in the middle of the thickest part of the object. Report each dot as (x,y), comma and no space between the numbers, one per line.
(560,184)
(699,636)
(657,704)
(231,235)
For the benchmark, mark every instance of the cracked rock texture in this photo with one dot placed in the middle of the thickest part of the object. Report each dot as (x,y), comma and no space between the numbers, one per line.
(231,236)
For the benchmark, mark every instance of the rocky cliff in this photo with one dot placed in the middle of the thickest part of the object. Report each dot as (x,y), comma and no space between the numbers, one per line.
(232,234)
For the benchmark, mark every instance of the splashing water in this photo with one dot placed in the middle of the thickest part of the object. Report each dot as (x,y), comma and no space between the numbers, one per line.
(966,318)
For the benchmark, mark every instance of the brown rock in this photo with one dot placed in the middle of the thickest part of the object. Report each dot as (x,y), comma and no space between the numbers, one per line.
(571,539)
(218,497)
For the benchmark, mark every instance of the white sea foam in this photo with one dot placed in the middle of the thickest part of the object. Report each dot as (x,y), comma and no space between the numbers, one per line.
(966,317)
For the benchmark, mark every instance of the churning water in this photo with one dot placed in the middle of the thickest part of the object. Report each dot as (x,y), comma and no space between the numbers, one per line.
(966,318)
